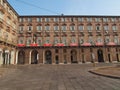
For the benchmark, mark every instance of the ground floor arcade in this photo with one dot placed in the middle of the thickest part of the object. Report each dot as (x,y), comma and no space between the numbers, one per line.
(66,55)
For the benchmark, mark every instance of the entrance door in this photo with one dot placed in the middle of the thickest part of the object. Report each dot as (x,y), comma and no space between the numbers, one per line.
(21,57)
(34,57)
(100,56)
(48,57)
(73,56)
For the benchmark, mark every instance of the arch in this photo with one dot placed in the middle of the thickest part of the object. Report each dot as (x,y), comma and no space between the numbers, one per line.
(21,57)
(100,55)
(34,57)
(74,56)
(48,57)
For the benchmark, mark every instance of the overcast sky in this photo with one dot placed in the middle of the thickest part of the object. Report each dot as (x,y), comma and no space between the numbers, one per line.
(67,7)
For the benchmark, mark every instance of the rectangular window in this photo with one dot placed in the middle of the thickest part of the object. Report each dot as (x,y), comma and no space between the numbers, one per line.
(21,28)
(71,19)
(63,19)
(98,27)
(89,19)
(105,19)
(73,40)
(72,28)
(80,19)
(56,19)
(107,39)
(114,27)
(29,19)
(81,40)
(39,28)
(64,41)
(39,19)
(47,19)
(89,28)
(99,39)
(106,27)
(64,28)
(47,27)
(56,28)
(81,27)
(97,19)
(30,28)
(47,39)
(56,40)
(116,40)
(28,42)
(90,40)
(113,19)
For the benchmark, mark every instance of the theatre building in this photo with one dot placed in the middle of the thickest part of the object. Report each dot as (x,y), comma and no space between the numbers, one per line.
(68,39)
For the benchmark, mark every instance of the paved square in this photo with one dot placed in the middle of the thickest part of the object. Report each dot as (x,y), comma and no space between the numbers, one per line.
(56,77)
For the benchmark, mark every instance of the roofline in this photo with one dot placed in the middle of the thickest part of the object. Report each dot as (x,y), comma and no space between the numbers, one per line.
(69,16)
(11,7)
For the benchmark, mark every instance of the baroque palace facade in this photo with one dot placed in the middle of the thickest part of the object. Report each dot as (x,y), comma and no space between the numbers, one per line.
(57,39)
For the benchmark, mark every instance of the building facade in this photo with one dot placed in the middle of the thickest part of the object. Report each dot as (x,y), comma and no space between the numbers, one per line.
(57,39)
(68,39)
(8,33)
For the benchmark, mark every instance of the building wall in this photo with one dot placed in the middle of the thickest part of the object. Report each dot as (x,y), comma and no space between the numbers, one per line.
(8,33)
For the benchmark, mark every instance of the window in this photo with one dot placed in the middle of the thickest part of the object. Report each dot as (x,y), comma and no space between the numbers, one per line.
(39,41)
(106,27)
(56,40)
(39,19)
(29,19)
(89,27)
(20,41)
(30,28)
(28,42)
(73,40)
(47,19)
(113,19)
(114,27)
(80,19)
(64,40)
(71,19)
(97,19)
(56,28)
(1,15)
(64,27)
(47,27)
(105,19)
(81,40)
(90,40)
(81,27)
(72,27)
(63,19)
(56,19)
(99,39)
(20,19)
(47,40)
(107,39)
(39,28)
(89,19)
(98,27)
(21,28)
(116,40)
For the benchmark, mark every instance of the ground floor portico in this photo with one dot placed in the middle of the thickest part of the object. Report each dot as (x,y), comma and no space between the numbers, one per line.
(66,55)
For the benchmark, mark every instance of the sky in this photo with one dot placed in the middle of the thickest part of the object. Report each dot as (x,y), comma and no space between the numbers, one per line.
(66,7)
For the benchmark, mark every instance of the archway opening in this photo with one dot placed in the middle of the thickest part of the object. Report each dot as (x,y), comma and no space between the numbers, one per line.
(74,56)
(48,57)
(34,57)
(21,57)
(100,55)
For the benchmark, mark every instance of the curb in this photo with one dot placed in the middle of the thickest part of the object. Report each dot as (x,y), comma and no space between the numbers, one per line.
(109,76)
